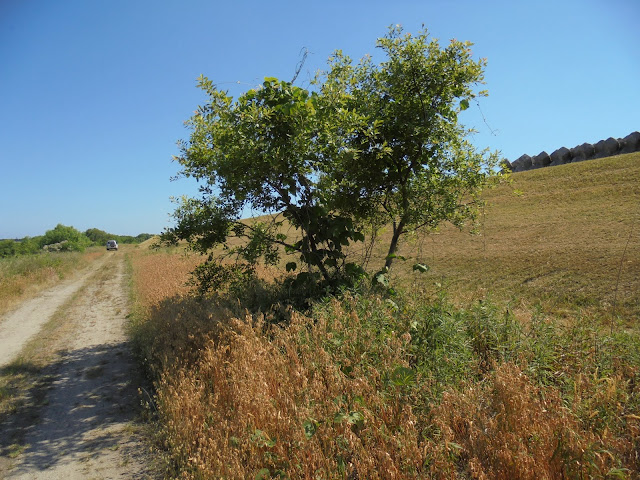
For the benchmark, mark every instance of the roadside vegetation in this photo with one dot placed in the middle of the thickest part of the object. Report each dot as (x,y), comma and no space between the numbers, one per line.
(297,352)
(30,264)
(25,275)
(468,371)
(63,238)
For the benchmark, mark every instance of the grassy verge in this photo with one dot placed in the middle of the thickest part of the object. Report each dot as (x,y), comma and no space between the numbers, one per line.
(508,359)
(418,387)
(24,276)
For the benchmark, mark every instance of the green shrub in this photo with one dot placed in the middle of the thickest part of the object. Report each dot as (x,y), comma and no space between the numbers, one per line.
(69,238)
(7,248)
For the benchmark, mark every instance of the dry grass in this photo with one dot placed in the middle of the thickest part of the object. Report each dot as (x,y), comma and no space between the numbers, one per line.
(25,276)
(234,419)
(161,274)
(507,428)
(320,399)
(542,392)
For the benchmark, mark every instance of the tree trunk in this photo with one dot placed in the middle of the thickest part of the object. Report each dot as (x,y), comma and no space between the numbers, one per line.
(393,247)
(320,265)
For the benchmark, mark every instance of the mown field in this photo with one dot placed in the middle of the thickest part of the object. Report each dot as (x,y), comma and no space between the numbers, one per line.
(565,238)
(516,356)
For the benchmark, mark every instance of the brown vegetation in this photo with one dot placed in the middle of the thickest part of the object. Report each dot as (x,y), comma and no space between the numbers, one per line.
(562,237)
(543,381)
(24,276)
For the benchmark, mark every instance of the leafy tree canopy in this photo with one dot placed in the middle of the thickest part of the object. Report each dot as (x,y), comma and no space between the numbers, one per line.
(408,162)
(72,238)
(372,144)
(265,151)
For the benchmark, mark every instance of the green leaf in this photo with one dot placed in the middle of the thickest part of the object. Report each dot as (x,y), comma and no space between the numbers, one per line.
(355,418)
(330,262)
(403,376)
(291,266)
(310,428)
(421,267)
(381,279)
(464,104)
(263,474)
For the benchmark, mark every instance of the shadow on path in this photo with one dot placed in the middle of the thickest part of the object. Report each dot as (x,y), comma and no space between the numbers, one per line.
(84,407)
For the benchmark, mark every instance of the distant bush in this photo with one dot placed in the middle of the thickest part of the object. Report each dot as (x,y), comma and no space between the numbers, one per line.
(100,237)
(68,238)
(25,246)
(7,248)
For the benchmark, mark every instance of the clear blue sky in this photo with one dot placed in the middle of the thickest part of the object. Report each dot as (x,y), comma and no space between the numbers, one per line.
(93,94)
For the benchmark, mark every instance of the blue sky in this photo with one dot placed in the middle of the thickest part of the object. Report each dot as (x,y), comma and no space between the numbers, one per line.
(93,94)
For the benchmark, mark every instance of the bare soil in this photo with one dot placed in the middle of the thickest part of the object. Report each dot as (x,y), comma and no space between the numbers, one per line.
(83,418)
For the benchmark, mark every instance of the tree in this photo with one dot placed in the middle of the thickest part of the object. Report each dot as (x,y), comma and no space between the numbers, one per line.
(265,151)
(7,248)
(97,236)
(372,144)
(407,161)
(72,238)
(28,245)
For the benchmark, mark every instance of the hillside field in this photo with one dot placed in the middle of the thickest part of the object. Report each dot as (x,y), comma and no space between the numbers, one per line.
(566,237)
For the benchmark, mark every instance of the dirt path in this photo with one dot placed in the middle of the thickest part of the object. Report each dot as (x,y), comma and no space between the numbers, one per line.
(19,326)
(85,428)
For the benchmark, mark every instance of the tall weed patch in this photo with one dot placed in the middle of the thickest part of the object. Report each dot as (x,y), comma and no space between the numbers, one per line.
(23,274)
(507,427)
(364,386)
(305,401)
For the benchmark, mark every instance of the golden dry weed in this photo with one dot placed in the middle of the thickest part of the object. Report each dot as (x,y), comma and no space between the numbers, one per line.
(25,276)
(160,275)
(281,402)
(507,428)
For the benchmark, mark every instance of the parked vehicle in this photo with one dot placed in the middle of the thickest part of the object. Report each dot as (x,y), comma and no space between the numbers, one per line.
(112,245)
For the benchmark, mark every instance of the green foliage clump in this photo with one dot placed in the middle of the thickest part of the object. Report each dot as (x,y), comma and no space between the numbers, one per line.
(65,238)
(7,248)
(100,237)
(371,145)
(407,161)
(24,246)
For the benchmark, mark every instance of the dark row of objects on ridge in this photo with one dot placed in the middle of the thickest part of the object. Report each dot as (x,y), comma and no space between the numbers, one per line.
(604,148)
